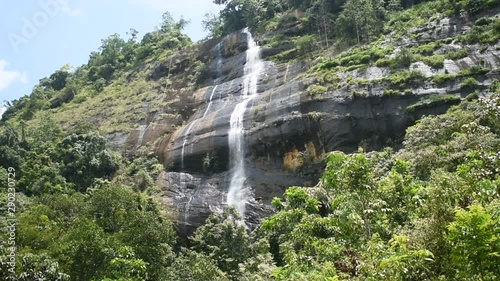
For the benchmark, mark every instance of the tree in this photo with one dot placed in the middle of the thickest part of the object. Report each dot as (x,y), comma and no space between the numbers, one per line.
(135,221)
(169,25)
(46,133)
(213,24)
(41,175)
(399,191)
(224,238)
(394,260)
(40,267)
(167,36)
(85,250)
(85,158)
(126,267)
(191,265)
(38,229)
(361,18)
(10,150)
(232,15)
(57,80)
(351,177)
(475,240)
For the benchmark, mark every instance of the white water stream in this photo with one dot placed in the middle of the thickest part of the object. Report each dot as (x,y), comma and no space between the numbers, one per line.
(188,131)
(183,175)
(239,193)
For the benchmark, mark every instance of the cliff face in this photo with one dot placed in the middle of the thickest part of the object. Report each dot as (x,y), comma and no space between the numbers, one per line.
(289,126)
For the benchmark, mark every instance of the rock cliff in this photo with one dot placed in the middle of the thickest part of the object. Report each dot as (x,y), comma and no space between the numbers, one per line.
(290,125)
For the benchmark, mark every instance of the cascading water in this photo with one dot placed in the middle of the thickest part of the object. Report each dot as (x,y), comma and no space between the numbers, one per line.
(188,130)
(238,193)
(183,175)
(142,132)
(219,47)
(184,142)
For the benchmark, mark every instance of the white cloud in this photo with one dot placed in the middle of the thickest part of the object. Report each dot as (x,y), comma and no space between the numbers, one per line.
(8,77)
(66,9)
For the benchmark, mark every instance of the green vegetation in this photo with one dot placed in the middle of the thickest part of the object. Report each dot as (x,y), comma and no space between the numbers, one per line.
(442,78)
(91,89)
(458,54)
(316,90)
(486,33)
(433,101)
(406,57)
(436,61)
(404,78)
(389,92)
(355,57)
(470,82)
(429,211)
(358,224)
(306,44)
(427,49)
(472,71)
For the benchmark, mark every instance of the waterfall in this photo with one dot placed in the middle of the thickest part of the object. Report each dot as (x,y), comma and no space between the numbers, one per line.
(142,131)
(183,175)
(238,193)
(186,134)
(210,101)
(184,142)
(219,59)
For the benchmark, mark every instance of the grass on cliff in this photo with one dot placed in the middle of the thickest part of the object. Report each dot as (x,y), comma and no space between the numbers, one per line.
(485,30)
(116,108)
(432,101)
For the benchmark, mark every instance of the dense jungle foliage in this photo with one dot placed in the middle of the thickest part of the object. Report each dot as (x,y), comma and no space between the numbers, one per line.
(428,211)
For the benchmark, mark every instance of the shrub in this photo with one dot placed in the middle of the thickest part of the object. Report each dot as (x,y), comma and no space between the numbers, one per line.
(390,92)
(433,101)
(275,41)
(403,59)
(80,98)
(210,162)
(475,240)
(496,27)
(427,48)
(483,21)
(458,54)
(377,52)
(470,82)
(473,7)
(448,40)
(404,77)
(201,73)
(327,64)
(494,87)
(436,61)
(486,34)
(357,94)
(475,70)
(316,90)
(472,96)
(358,56)
(306,44)
(285,55)
(384,62)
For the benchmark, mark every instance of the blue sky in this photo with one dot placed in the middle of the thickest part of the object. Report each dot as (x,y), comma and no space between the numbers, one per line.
(38,37)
